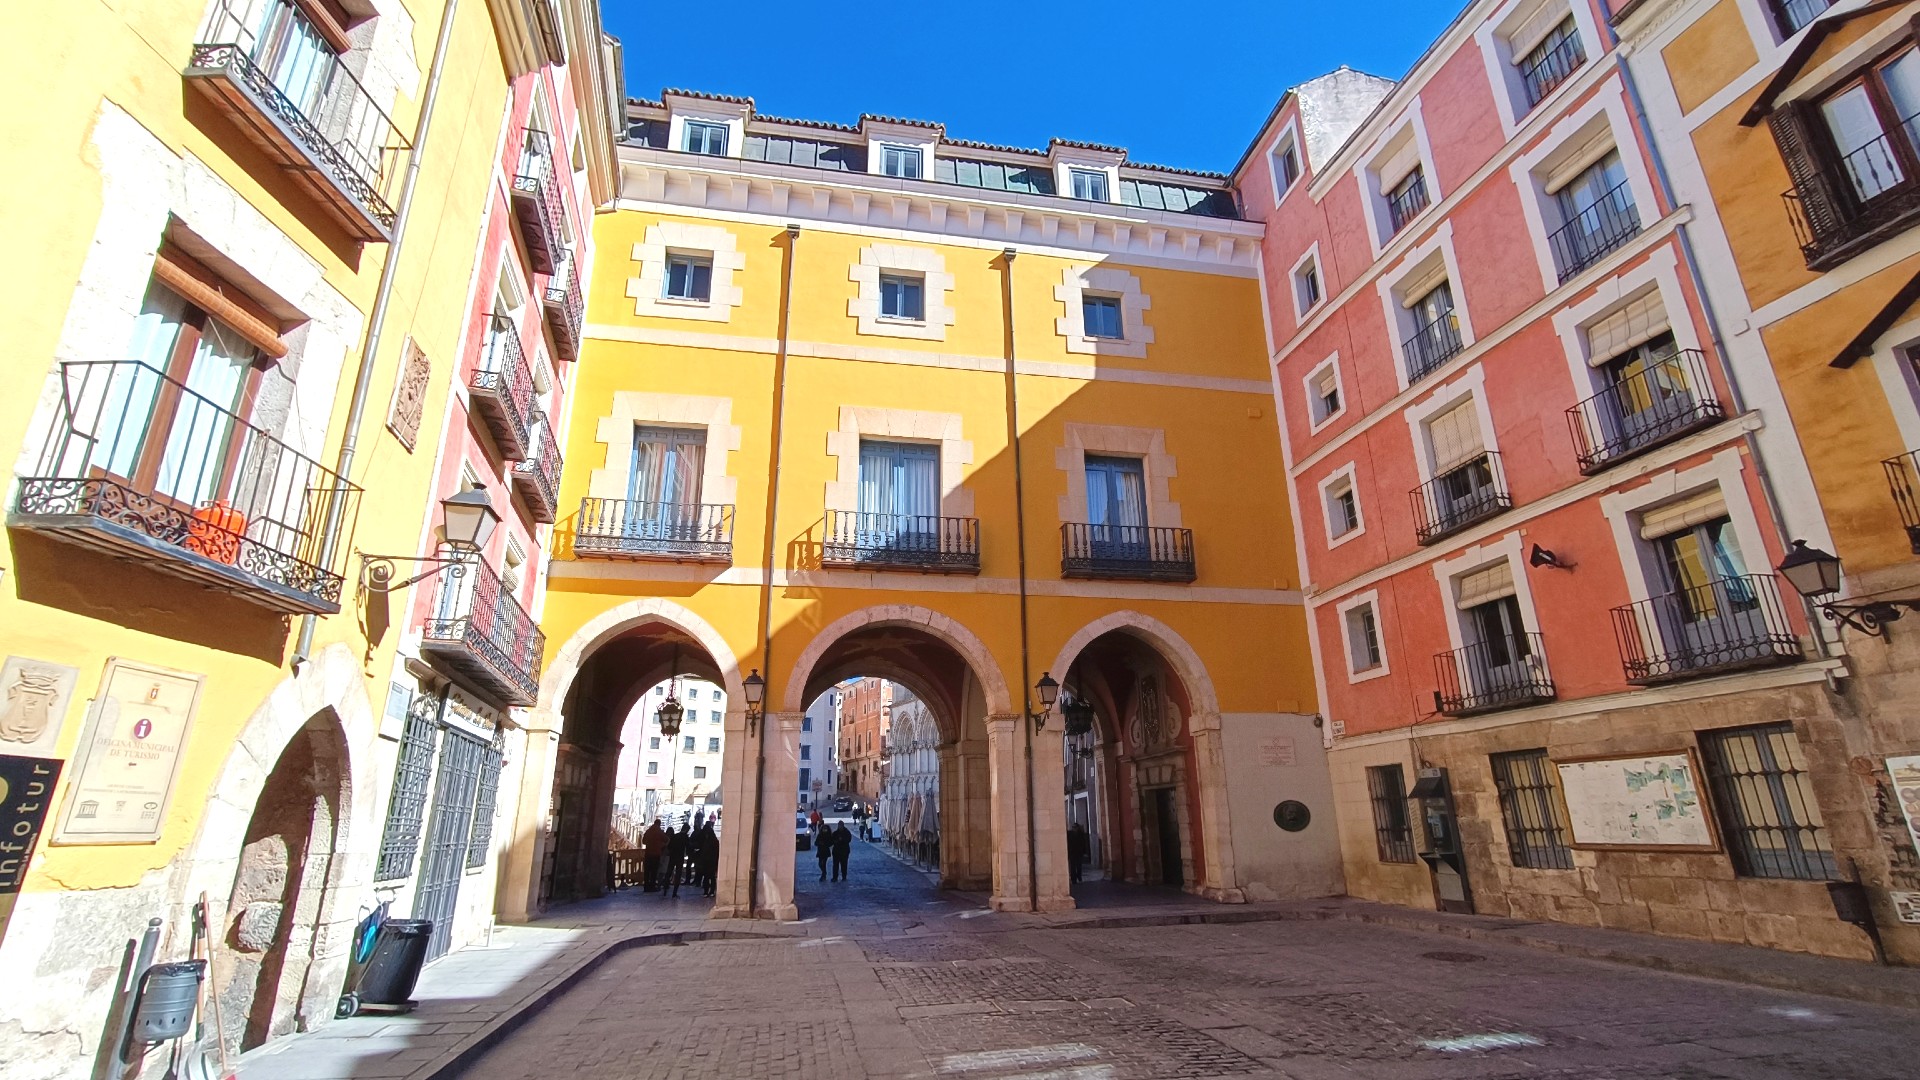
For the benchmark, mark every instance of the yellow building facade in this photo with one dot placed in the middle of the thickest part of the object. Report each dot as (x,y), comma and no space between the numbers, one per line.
(863,400)
(1782,124)
(213,191)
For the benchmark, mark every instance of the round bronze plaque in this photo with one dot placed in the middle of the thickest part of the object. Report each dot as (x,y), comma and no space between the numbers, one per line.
(1292,815)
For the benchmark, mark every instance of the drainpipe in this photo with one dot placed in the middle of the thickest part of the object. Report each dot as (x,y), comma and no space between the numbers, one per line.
(363,378)
(1020,541)
(770,538)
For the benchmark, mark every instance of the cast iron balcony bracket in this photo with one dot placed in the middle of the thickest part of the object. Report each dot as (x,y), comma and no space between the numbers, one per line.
(1869,618)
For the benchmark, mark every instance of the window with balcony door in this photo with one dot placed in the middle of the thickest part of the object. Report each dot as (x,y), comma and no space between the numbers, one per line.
(899,497)
(1117,507)
(1553,60)
(1406,198)
(1854,158)
(1650,390)
(1712,600)
(1497,643)
(1597,215)
(1464,487)
(1872,122)
(663,487)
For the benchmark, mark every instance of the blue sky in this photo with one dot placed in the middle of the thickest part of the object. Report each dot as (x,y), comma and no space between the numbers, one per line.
(1177,84)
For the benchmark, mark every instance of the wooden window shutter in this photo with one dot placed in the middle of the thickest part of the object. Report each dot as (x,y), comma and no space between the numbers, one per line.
(1485,585)
(1797,132)
(1455,437)
(210,293)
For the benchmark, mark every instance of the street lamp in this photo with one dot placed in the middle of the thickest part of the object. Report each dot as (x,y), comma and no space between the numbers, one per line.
(669,715)
(1049,692)
(467,523)
(1814,573)
(1076,714)
(755,689)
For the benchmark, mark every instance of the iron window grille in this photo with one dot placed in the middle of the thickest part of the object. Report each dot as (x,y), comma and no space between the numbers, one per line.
(1552,62)
(449,836)
(1536,832)
(1407,199)
(406,810)
(484,805)
(1392,830)
(1766,803)
(1648,406)
(1903,481)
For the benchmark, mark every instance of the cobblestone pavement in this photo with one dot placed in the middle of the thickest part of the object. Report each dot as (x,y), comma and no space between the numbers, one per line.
(902,987)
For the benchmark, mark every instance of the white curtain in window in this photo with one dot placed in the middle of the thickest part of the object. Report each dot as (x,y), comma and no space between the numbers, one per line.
(129,400)
(1640,319)
(202,430)
(899,479)
(1455,437)
(1116,492)
(667,465)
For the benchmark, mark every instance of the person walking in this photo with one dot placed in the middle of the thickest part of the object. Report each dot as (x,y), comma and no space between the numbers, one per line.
(842,847)
(1076,850)
(823,848)
(653,848)
(706,859)
(676,861)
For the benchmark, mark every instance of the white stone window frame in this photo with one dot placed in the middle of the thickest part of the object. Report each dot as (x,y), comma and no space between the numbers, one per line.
(876,156)
(1079,282)
(1580,132)
(1493,37)
(1111,440)
(944,430)
(1289,138)
(1470,383)
(733,119)
(712,242)
(633,408)
(1639,562)
(1373,194)
(1447,573)
(1316,422)
(1660,271)
(1064,169)
(936,285)
(1301,307)
(1394,303)
(1369,599)
(1344,474)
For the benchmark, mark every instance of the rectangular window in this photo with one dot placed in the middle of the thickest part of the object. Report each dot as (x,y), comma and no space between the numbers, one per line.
(1363,639)
(699,772)
(1597,215)
(1101,315)
(1306,286)
(687,744)
(1089,184)
(665,480)
(1286,165)
(1325,400)
(713,717)
(653,742)
(660,691)
(1117,508)
(653,768)
(901,161)
(705,138)
(806,723)
(900,481)
(689,278)
(1392,832)
(1796,15)
(1551,62)
(1406,199)
(1536,828)
(806,780)
(806,752)
(713,746)
(693,693)
(903,297)
(1343,512)
(1766,804)
(1874,124)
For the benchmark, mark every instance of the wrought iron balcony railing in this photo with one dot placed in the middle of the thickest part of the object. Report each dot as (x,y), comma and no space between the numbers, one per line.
(566,310)
(1126,551)
(266,66)
(502,389)
(1903,481)
(1869,196)
(1544,73)
(1500,673)
(480,633)
(144,467)
(1610,222)
(901,542)
(1405,202)
(1724,625)
(538,203)
(672,531)
(1432,345)
(537,477)
(1459,497)
(1669,397)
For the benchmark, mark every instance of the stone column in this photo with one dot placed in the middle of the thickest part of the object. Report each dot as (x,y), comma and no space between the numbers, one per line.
(519,895)
(775,799)
(1008,762)
(1050,819)
(1216,829)
(606,775)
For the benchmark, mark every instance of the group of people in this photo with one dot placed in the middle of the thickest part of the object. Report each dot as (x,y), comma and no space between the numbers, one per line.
(832,842)
(684,855)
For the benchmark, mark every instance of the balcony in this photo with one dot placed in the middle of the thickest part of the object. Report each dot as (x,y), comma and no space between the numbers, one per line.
(901,542)
(1129,552)
(667,531)
(1461,496)
(566,311)
(480,634)
(1610,222)
(502,390)
(537,477)
(1903,481)
(1544,73)
(265,66)
(1432,345)
(1406,201)
(1670,397)
(537,204)
(1501,673)
(1725,625)
(1843,208)
(142,467)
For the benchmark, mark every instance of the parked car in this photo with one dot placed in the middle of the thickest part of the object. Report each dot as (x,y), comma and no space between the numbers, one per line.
(802,833)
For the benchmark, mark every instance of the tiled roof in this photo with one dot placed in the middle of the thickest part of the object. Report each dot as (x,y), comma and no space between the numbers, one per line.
(823,125)
(877,118)
(646,103)
(1204,174)
(1087,145)
(703,95)
(972,145)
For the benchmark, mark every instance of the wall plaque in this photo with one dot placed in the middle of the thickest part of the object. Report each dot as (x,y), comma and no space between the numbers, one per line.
(129,755)
(1277,751)
(34,696)
(1637,801)
(409,395)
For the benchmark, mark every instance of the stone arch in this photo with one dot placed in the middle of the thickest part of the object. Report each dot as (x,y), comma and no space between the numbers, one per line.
(956,636)
(1173,648)
(609,624)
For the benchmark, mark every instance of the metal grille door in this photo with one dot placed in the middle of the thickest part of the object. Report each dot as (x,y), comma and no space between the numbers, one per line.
(462,758)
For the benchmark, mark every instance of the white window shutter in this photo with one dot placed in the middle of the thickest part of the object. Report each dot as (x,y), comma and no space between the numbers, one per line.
(1455,437)
(1640,319)
(1683,514)
(1485,585)
(1404,159)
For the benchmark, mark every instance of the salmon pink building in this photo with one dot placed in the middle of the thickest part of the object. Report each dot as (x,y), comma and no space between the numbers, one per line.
(1560,678)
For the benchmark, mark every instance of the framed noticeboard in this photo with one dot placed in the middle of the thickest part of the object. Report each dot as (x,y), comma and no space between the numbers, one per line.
(1642,802)
(129,755)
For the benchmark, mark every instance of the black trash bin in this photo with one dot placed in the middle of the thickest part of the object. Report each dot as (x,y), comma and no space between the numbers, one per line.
(398,954)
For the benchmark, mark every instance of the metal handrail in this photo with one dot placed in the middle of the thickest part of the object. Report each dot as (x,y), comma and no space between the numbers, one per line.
(535,175)
(1879,194)
(1432,345)
(1555,66)
(473,610)
(913,541)
(503,377)
(565,301)
(1126,551)
(670,530)
(134,447)
(1611,221)
(1405,204)
(542,467)
(1670,397)
(1731,622)
(1502,673)
(1455,499)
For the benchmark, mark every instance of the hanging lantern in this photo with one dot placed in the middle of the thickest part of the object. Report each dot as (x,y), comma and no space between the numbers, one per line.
(1077,716)
(669,715)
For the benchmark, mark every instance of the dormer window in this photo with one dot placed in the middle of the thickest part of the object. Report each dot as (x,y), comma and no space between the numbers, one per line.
(703,137)
(901,161)
(1101,315)
(1089,184)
